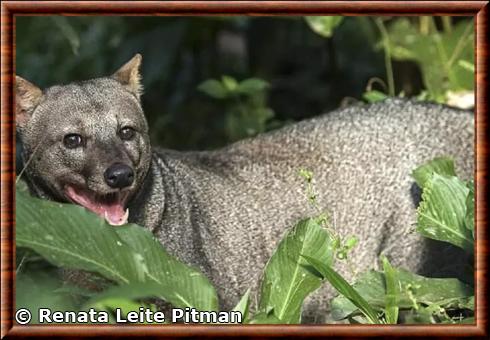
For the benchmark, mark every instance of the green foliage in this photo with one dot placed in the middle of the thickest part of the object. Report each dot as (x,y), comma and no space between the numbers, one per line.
(71,237)
(446,57)
(440,165)
(324,25)
(446,214)
(415,293)
(287,280)
(344,288)
(374,96)
(392,292)
(41,289)
(243,305)
(126,297)
(443,214)
(247,113)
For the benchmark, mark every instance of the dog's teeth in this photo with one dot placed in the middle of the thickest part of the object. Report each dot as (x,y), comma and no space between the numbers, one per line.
(125,217)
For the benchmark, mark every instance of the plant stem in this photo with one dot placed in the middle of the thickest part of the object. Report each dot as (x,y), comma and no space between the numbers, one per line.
(446,24)
(388,65)
(463,40)
(424,25)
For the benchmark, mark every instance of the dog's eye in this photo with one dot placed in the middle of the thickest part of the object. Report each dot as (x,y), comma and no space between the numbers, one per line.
(72,141)
(126,133)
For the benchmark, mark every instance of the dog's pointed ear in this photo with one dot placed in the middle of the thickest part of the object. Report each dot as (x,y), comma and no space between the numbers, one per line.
(129,75)
(27,97)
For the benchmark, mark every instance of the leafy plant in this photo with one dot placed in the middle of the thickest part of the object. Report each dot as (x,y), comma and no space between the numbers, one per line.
(69,236)
(416,293)
(447,206)
(446,214)
(444,54)
(247,112)
(344,288)
(445,57)
(287,280)
(324,25)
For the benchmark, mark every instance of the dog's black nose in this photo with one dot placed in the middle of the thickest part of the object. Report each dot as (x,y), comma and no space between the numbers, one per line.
(119,175)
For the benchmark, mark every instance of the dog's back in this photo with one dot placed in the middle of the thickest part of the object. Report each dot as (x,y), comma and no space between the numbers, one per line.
(226,210)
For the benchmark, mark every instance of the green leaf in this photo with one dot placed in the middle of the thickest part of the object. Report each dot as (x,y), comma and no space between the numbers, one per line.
(414,290)
(392,292)
(132,291)
(229,83)
(252,85)
(374,96)
(287,280)
(442,212)
(470,67)
(213,88)
(243,305)
(265,318)
(124,304)
(124,297)
(324,25)
(443,166)
(36,289)
(344,288)
(70,236)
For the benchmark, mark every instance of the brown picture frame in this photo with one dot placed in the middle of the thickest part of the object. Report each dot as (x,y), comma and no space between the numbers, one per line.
(11,9)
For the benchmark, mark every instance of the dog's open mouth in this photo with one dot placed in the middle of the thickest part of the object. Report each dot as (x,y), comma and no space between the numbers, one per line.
(109,206)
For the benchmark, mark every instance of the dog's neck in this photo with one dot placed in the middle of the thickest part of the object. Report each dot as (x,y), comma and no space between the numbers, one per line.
(149,198)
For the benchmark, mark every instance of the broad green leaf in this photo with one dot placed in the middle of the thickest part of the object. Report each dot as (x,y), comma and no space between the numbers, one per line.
(124,304)
(392,292)
(124,297)
(442,212)
(213,88)
(252,85)
(183,286)
(72,237)
(287,280)
(374,96)
(324,25)
(243,305)
(131,292)
(344,288)
(414,290)
(443,166)
(229,83)
(36,289)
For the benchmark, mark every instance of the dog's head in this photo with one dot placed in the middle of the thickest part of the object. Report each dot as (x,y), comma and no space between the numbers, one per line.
(86,142)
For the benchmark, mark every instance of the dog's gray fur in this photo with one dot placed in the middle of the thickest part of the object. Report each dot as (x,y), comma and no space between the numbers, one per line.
(224,211)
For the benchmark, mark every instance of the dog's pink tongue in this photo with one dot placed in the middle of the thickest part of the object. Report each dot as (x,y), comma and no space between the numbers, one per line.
(112,211)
